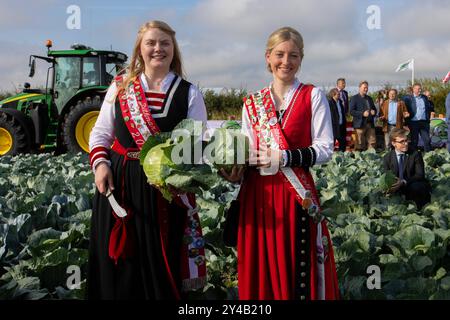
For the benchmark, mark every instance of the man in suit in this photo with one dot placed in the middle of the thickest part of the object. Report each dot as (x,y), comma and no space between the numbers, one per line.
(363,111)
(420,109)
(337,118)
(408,166)
(343,95)
(393,114)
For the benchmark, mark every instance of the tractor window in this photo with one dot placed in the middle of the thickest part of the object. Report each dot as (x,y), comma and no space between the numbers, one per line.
(113,67)
(91,71)
(67,79)
(67,73)
(111,72)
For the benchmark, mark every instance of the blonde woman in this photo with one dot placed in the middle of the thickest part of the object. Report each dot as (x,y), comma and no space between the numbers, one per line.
(142,255)
(284,247)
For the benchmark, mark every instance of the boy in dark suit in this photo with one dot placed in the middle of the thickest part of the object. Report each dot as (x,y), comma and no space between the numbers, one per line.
(408,166)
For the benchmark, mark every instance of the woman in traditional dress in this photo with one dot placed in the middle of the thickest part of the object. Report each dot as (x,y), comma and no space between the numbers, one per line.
(284,247)
(155,250)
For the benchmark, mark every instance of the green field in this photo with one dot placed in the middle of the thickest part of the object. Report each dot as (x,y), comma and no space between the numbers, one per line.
(45,207)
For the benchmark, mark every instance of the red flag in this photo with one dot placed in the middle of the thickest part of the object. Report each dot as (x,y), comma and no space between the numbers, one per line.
(446,78)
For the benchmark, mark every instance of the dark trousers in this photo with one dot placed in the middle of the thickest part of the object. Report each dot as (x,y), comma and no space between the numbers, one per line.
(421,127)
(419,192)
(342,137)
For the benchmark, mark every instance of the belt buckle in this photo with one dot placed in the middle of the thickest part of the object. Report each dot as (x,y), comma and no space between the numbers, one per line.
(133,154)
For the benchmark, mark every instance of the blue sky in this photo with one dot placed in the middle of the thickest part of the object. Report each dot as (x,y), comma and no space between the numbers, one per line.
(223,41)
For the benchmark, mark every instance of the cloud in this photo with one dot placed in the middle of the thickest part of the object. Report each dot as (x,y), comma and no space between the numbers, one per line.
(223,42)
(31,17)
(14,66)
(428,20)
(231,37)
(256,19)
(337,41)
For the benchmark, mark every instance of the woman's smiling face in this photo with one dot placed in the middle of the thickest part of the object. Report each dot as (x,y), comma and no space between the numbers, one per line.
(284,60)
(157,49)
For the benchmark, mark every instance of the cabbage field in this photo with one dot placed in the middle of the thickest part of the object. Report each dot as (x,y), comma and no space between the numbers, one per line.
(45,207)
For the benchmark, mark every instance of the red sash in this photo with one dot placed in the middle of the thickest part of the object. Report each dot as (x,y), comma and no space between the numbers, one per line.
(136,113)
(267,129)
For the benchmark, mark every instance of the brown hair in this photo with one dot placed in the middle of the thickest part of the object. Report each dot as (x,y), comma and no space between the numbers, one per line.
(392,89)
(137,66)
(397,132)
(363,82)
(281,35)
(332,92)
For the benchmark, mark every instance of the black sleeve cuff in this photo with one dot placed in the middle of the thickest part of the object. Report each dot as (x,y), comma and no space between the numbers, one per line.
(303,157)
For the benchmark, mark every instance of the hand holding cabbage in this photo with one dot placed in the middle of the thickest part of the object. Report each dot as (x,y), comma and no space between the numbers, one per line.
(181,160)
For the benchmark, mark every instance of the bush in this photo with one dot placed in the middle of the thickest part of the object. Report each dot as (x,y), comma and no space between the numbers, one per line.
(5,94)
(438,92)
(225,105)
(437,89)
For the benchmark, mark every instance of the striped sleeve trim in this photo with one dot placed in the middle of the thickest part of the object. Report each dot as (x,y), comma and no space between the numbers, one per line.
(97,155)
(98,161)
(303,157)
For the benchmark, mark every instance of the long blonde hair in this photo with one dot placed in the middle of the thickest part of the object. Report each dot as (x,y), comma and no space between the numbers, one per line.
(281,35)
(137,66)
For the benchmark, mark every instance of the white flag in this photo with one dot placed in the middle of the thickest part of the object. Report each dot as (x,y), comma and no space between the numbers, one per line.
(406,65)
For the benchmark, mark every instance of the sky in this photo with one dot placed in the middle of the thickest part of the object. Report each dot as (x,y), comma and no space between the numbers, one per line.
(223,41)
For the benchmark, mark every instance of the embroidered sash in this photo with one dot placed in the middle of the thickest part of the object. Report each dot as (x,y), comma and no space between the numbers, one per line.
(136,113)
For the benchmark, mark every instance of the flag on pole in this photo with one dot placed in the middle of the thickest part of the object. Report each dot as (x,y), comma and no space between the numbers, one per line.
(406,65)
(446,78)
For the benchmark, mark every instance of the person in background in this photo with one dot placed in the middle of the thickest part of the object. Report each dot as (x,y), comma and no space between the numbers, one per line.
(420,109)
(409,90)
(392,113)
(408,166)
(363,111)
(381,98)
(337,118)
(343,94)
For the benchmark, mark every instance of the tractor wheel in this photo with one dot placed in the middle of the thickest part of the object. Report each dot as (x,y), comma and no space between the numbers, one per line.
(79,122)
(13,138)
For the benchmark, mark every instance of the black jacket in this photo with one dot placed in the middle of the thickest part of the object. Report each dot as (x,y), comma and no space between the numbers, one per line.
(412,108)
(345,102)
(334,117)
(358,105)
(413,168)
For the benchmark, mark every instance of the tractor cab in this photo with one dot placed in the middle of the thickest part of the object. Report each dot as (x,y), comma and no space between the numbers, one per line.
(82,68)
(62,115)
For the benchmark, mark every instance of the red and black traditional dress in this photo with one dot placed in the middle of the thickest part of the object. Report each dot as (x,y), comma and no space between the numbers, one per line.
(284,247)
(156,251)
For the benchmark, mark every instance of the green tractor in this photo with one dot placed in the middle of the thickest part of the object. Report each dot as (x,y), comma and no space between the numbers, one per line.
(62,116)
